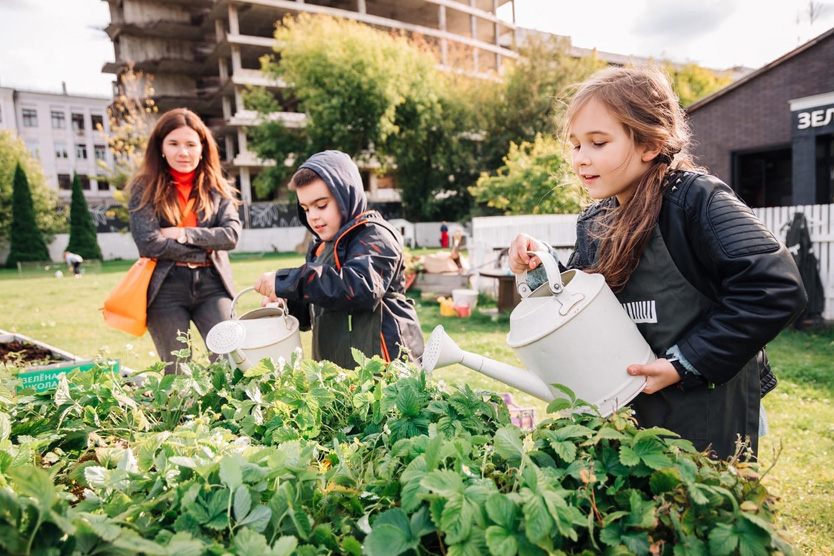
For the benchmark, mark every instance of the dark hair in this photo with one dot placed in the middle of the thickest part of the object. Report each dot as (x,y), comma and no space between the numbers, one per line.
(154,177)
(643,101)
(304,176)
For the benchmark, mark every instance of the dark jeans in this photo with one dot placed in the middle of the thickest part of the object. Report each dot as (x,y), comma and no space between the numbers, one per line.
(186,295)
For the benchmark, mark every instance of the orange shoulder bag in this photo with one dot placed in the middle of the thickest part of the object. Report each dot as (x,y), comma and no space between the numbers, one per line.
(126,308)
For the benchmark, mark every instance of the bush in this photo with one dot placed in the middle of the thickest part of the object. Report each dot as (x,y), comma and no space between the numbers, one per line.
(27,242)
(83,237)
(308,458)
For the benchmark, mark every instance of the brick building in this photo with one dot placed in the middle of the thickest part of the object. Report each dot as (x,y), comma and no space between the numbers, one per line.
(770,135)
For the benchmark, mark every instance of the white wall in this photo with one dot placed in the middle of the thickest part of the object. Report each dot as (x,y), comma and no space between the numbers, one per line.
(427,234)
(120,245)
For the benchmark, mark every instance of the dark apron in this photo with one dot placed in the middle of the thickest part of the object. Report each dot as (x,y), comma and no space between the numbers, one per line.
(665,306)
(336,332)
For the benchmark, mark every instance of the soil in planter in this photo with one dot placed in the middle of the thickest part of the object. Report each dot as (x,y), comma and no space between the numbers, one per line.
(23,353)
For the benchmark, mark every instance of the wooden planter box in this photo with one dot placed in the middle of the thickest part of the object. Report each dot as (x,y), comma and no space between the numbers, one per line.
(45,377)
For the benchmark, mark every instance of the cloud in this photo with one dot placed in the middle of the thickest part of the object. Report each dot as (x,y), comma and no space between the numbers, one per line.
(17,5)
(673,24)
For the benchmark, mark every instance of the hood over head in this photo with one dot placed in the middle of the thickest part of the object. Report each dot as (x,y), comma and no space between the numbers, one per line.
(342,177)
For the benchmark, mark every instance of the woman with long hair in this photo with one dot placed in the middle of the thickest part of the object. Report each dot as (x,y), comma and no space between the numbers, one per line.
(183,213)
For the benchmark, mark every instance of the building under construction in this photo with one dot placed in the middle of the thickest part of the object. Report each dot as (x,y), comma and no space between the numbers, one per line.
(204,53)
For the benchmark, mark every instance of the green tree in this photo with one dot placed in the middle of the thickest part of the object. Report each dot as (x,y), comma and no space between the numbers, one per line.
(83,237)
(13,152)
(693,82)
(535,179)
(27,242)
(531,97)
(371,95)
(131,116)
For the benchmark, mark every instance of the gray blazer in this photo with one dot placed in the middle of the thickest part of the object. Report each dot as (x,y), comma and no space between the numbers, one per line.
(220,233)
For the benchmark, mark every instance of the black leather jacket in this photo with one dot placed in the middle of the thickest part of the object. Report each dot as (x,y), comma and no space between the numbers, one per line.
(725,252)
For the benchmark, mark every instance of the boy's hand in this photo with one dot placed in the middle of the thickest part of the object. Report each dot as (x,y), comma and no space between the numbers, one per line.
(659,375)
(265,285)
(517,255)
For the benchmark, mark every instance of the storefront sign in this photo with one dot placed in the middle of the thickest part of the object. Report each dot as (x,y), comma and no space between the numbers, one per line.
(815,118)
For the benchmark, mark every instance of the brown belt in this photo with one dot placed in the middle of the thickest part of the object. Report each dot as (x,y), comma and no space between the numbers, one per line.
(194,265)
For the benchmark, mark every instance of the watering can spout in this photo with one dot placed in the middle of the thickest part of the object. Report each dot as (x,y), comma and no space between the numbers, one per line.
(441,351)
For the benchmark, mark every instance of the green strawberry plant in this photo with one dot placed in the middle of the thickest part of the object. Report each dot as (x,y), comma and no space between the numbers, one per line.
(304,458)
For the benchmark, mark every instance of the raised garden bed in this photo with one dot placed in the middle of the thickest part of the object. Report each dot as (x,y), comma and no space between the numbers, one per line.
(39,364)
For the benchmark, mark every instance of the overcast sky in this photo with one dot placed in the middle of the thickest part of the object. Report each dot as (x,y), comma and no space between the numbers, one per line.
(45,42)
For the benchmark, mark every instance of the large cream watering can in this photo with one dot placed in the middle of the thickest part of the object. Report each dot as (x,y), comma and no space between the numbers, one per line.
(572,331)
(268,331)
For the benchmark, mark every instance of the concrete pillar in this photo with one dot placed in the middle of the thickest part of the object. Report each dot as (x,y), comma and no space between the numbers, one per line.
(360,7)
(241,140)
(219,31)
(234,24)
(245,187)
(223,65)
(803,162)
(227,107)
(238,100)
(236,63)
(473,24)
(230,148)
(372,185)
(441,20)
(497,33)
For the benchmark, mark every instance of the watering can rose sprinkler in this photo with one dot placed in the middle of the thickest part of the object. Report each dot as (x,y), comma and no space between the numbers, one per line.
(572,331)
(268,331)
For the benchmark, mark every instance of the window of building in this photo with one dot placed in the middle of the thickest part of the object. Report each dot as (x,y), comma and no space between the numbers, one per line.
(825,168)
(763,178)
(85,182)
(101,152)
(64,181)
(103,184)
(34,148)
(30,117)
(78,123)
(81,152)
(59,120)
(61,150)
(97,122)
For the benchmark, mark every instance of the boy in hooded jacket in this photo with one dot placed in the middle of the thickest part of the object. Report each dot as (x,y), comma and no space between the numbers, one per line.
(351,290)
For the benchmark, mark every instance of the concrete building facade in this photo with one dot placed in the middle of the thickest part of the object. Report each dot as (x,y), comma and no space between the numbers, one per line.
(203,54)
(61,131)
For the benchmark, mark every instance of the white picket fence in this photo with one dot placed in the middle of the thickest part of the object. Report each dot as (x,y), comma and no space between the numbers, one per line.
(821,225)
(496,232)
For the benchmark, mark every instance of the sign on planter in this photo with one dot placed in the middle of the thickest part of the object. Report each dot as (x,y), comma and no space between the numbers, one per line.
(46,378)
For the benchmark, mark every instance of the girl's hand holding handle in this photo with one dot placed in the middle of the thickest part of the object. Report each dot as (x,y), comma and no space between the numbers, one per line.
(518,257)
(659,374)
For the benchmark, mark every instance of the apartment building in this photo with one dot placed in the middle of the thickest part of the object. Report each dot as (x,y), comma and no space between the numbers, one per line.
(61,130)
(203,53)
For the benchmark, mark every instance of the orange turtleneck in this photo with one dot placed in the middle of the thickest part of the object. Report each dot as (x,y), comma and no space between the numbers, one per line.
(184,182)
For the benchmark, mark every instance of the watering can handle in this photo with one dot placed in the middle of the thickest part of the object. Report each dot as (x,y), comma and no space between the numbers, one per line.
(554,277)
(277,304)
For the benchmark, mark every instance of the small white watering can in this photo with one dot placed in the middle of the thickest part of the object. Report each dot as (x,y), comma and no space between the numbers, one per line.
(572,331)
(264,332)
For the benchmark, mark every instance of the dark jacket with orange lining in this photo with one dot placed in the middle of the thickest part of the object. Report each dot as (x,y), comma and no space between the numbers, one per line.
(352,292)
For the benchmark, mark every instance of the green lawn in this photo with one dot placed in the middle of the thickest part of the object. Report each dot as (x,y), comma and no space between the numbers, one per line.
(65,313)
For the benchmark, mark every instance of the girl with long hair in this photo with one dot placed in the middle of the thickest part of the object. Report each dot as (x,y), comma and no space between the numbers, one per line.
(707,284)
(183,213)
